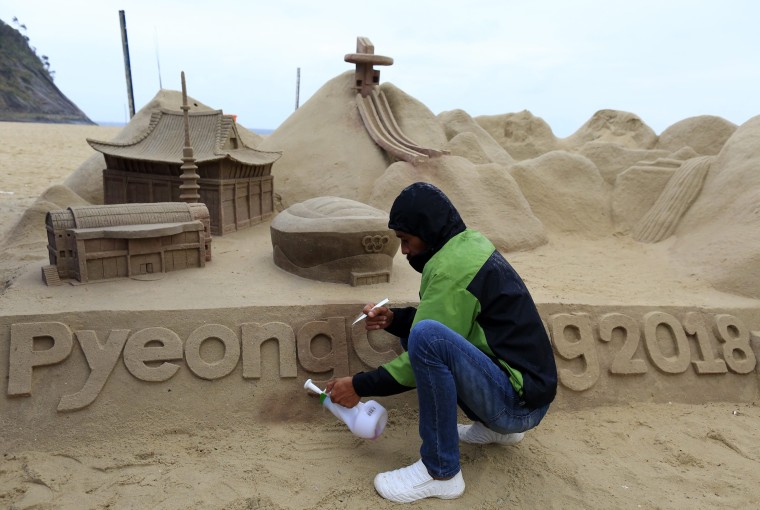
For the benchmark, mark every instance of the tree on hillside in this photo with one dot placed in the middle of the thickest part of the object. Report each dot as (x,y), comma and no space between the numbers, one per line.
(21,29)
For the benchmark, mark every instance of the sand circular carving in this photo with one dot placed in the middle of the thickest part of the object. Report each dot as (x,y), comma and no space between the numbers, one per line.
(334,239)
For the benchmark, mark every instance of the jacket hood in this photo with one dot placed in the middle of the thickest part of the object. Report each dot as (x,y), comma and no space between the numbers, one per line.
(424,211)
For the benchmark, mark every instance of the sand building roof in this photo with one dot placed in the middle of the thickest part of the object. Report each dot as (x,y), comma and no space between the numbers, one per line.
(213,135)
(119,215)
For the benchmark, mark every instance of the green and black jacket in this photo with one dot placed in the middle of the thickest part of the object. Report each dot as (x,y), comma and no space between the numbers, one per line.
(468,286)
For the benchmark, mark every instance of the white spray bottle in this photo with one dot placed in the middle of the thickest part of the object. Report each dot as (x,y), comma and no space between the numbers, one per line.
(366,419)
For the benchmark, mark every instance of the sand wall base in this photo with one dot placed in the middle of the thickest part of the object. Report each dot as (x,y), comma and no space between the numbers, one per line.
(103,373)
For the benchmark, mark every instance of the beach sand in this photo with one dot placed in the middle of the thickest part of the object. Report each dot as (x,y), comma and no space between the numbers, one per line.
(612,454)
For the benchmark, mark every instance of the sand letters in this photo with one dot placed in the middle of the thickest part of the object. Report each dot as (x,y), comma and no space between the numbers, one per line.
(722,344)
(149,354)
(700,343)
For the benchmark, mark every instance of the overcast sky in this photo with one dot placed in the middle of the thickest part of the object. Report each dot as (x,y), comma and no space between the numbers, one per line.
(562,60)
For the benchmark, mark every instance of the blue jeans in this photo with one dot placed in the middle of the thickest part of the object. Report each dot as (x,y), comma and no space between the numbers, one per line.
(450,371)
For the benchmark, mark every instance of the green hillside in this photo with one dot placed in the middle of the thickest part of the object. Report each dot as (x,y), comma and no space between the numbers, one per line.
(27,91)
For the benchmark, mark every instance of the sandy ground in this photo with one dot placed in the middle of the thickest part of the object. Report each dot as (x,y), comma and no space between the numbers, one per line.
(644,456)
(26,169)
(624,456)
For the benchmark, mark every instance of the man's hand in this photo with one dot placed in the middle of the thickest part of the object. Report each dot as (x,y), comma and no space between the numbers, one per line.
(342,391)
(378,318)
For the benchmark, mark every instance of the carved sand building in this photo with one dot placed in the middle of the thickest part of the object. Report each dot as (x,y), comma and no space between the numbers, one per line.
(101,242)
(235,180)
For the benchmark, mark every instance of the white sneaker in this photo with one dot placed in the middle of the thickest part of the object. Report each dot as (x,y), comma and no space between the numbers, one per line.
(477,433)
(414,482)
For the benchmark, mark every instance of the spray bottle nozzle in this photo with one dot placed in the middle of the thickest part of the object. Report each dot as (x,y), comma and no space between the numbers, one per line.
(313,387)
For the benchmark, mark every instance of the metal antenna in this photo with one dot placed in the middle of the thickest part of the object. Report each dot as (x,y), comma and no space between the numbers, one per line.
(298,85)
(158,62)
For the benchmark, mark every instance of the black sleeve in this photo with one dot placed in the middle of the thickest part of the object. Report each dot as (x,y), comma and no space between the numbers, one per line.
(377,383)
(402,321)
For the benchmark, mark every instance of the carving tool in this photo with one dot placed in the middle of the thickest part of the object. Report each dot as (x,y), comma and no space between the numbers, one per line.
(364,315)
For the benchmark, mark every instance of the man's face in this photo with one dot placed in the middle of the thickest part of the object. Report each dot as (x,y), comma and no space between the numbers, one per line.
(410,245)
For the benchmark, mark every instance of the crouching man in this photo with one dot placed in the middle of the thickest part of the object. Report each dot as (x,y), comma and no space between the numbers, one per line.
(475,341)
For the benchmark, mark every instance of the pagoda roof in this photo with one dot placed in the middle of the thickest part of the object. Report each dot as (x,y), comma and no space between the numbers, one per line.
(164,139)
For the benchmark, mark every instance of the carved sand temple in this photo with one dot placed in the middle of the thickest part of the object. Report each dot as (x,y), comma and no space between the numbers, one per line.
(235,180)
(376,112)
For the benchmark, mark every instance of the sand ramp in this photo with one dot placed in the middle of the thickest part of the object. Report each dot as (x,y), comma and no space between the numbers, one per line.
(384,130)
(682,189)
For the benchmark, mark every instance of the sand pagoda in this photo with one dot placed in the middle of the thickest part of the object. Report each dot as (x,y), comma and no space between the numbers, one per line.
(235,180)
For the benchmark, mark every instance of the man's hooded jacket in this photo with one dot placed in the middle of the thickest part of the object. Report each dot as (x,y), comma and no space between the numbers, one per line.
(468,286)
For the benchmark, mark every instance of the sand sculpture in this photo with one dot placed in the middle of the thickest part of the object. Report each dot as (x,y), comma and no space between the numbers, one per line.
(93,243)
(189,177)
(367,77)
(602,351)
(334,240)
(375,111)
(100,242)
(232,179)
(682,189)
(674,322)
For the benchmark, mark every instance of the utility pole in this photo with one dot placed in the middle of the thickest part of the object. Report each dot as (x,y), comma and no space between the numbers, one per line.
(127,67)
